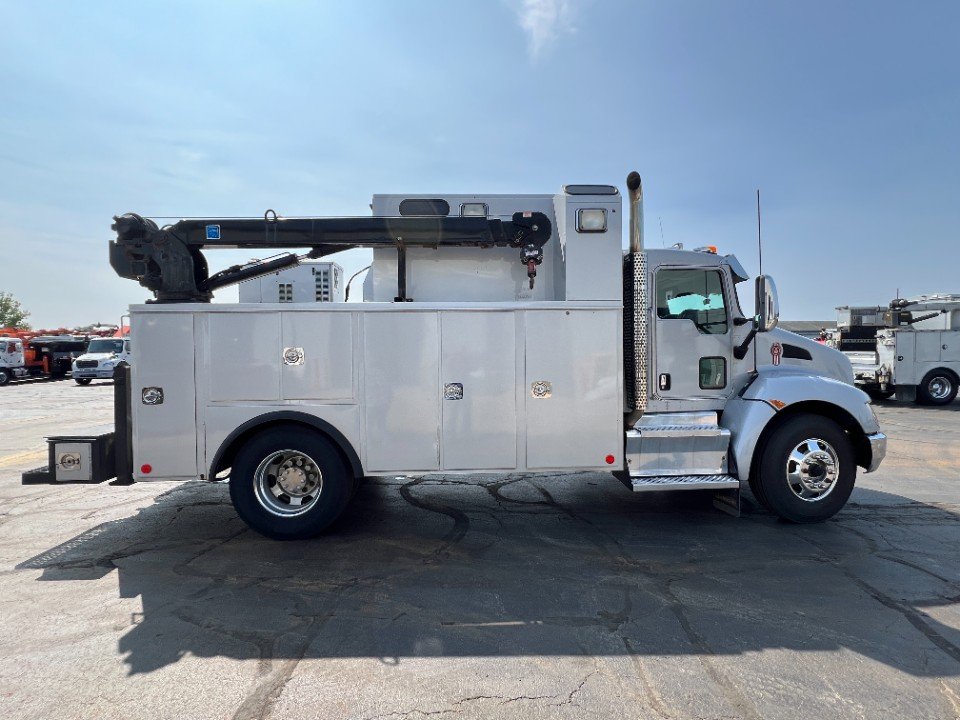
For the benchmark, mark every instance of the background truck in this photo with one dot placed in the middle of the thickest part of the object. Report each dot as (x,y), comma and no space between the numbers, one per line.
(910,348)
(101,359)
(498,334)
(310,281)
(45,353)
(12,363)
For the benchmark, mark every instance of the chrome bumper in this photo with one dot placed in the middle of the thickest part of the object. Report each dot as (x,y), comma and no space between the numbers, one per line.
(878,450)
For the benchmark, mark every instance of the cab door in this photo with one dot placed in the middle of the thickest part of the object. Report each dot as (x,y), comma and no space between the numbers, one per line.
(693,331)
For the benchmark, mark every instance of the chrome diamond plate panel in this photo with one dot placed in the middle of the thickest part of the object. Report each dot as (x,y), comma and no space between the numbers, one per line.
(684,482)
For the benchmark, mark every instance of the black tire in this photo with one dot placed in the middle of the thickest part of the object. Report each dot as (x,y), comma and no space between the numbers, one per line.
(83,381)
(5,376)
(938,387)
(772,483)
(257,504)
(877,394)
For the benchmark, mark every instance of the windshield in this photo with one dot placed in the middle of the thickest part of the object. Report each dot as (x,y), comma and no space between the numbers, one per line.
(105,346)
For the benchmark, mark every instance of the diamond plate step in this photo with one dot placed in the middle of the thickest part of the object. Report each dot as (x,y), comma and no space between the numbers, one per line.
(682,482)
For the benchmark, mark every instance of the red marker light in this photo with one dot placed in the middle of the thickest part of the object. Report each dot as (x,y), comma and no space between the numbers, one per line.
(610,459)
(146,468)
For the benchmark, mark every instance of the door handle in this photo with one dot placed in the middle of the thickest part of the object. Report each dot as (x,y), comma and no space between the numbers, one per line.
(663,382)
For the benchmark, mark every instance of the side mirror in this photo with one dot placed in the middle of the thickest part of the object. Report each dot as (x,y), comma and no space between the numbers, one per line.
(768,306)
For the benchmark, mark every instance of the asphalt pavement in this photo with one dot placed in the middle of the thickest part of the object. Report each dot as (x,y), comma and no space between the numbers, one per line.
(518,597)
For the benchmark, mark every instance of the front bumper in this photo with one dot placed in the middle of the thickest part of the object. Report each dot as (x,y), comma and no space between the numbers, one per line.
(878,450)
(94,373)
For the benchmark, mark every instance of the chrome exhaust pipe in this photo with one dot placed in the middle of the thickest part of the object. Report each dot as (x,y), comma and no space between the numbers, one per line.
(635,189)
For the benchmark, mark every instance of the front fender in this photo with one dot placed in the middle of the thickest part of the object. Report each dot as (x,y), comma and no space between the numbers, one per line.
(784,387)
(784,392)
(745,419)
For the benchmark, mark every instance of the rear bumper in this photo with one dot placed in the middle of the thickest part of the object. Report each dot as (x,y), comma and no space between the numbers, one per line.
(878,450)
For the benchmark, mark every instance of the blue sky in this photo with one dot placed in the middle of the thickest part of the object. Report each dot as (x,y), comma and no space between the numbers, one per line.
(844,114)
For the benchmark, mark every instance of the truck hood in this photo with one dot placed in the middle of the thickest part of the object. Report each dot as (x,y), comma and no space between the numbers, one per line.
(823,360)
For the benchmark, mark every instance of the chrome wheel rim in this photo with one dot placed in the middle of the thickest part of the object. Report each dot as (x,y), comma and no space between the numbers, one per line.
(288,483)
(812,470)
(940,387)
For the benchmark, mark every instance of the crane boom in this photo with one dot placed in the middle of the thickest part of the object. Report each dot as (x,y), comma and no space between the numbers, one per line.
(170,262)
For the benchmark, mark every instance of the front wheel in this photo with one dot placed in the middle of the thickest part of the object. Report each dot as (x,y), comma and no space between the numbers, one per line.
(938,387)
(82,381)
(5,376)
(806,470)
(289,483)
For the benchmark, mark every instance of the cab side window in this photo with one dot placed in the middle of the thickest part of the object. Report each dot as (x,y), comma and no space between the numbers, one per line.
(693,295)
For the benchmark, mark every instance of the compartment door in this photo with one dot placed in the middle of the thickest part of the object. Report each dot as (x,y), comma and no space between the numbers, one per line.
(572,388)
(479,406)
(322,343)
(928,346)
(164,435)
(401,391)
(950,347)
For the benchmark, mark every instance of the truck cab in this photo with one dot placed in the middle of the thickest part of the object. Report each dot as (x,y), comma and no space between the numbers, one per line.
(101,359)
(11,359)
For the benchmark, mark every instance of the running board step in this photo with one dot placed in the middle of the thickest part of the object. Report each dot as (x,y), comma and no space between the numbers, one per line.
(681,482)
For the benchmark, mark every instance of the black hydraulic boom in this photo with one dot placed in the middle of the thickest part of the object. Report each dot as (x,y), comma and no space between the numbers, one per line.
(168,260)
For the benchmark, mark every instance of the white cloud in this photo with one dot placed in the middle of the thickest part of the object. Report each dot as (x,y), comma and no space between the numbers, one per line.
(544,21)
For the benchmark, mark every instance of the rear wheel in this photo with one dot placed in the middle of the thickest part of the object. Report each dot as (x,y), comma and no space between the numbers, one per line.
(938,387)
(806,470)
(289,483)
(82,381)
(5,376)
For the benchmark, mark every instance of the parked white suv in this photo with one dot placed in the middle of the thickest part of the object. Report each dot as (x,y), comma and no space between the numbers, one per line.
(100,359)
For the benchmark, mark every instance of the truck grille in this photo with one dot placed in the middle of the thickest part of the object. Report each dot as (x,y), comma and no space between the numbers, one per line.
(86,363)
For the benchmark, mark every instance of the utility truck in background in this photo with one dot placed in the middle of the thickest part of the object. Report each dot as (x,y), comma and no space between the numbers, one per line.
(29,353)
(498,334)
(101,359)
(12,360)
(310,281)
(910,348)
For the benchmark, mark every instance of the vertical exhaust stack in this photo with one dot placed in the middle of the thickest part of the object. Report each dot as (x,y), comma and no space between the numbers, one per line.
(635,308)
(635,189)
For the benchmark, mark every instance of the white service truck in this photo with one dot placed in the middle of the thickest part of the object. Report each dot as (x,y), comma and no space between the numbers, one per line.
(498,334)
(310,281)
(12,362)
(911,348)
(101,359)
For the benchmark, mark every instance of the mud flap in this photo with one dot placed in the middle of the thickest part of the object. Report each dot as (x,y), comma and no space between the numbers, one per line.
(727,501)
(906,393)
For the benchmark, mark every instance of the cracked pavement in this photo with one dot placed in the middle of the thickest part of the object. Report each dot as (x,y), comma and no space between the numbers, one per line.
(519,597)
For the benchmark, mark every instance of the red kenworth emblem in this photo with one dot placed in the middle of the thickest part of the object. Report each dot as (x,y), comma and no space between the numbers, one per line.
(776,352)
